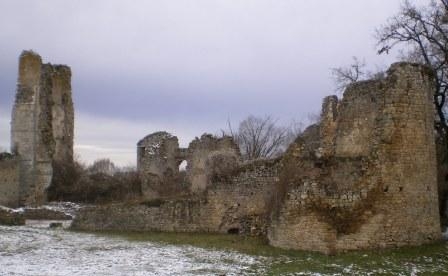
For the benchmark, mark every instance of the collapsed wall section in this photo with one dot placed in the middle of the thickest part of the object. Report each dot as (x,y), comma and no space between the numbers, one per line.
(372,181)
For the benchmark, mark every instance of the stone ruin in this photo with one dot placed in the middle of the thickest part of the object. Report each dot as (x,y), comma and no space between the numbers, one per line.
(159,158)
(364,177)
(41,131)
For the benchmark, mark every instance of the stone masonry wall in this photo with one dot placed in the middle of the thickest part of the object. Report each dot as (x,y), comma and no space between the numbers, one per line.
(205,156)
(62,113)
(372,182)
(242,201)
(157,163)
(159,157)
(238,203)
(9,183)
(42,124)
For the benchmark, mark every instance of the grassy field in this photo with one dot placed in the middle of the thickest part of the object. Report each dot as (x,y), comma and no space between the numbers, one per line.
(423,260)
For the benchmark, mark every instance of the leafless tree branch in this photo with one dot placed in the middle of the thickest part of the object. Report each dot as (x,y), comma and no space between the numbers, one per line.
(425,31)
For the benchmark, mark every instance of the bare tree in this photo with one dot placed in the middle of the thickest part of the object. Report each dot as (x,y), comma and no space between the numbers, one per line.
(343,76)
(356,71)
(259,137)
(103,166)
(293,131)
(313,118)
(425,31)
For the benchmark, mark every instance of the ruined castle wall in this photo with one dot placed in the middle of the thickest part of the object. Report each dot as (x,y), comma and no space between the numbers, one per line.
(356,123)
(199,168)
(169,216)
(407,159)
(157,154)
(157,163)
(328,126)
(379,189)
(9,183)
(365,177)
(34,133)
(44,142)
(243,201)
(159,157)
(238,203)
(62,114)
(25,136)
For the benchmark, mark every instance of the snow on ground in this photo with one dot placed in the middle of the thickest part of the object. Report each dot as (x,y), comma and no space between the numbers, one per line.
(34,249)
(68,208)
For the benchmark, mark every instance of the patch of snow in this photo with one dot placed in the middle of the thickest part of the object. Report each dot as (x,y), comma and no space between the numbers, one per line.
(34,249)
(69,208)
(11,210)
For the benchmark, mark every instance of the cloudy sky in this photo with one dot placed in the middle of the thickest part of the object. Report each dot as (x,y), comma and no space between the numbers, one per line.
(186,66)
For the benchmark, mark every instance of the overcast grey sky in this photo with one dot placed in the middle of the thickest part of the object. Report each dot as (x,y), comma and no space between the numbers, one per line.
(186,66)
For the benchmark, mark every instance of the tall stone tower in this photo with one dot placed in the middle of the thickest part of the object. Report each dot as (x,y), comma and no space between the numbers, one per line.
(42,124)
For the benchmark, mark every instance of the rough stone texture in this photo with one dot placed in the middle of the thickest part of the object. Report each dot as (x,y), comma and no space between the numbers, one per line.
(208,156)
(9,182)
(62,113)
(224,208)
(372,182)
(242,199)
(42,124)
(159,157)
(158,163)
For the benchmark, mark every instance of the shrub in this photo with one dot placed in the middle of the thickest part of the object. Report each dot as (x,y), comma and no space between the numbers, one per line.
(73,182)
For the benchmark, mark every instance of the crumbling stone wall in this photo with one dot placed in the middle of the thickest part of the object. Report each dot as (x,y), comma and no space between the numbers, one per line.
(238,202)
(9,182)
(42,124)
(242,198)
(159,157)
(158,160)
(62,113)
(372,182)
(207,156)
